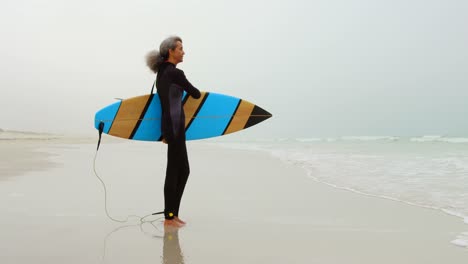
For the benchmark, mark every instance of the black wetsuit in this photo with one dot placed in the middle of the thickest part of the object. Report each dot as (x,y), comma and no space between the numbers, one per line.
(170,83)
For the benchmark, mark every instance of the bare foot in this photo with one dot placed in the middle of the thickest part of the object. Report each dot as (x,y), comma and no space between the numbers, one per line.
(178,220)
(172,223)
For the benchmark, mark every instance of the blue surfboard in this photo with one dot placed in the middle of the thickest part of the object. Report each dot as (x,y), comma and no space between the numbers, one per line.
(212,115)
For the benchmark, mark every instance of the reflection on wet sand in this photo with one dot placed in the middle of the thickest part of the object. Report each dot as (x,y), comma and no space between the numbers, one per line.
(172,253)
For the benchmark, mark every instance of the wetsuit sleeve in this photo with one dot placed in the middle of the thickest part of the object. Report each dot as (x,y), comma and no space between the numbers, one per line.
(181,80)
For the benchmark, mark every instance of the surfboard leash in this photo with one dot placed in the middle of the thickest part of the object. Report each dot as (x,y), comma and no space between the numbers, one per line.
(100,130)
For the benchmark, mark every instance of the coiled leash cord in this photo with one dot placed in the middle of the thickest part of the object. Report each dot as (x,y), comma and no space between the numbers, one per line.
(142,219)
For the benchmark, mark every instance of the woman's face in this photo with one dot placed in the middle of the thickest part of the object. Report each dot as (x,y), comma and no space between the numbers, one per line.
(177,54)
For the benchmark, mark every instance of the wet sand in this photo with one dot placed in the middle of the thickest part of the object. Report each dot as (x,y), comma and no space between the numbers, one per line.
(240,206)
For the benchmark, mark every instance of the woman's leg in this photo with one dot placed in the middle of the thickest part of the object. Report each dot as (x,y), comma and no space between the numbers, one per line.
(171,182)
(183,174)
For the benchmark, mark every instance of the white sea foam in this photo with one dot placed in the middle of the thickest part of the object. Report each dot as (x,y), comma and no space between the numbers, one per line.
(461,240)
(349,138)
(426,138)
(308,139)
(455,140)
(440,139)
(369,138)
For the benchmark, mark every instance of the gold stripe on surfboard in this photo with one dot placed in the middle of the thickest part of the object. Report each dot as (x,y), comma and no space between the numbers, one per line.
(240,118)
(191,106)
(127,117)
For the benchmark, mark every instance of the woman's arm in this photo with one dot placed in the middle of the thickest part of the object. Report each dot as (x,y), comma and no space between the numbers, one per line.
(182,81)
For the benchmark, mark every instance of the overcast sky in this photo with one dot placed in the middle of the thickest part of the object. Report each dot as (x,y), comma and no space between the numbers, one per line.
(322,68)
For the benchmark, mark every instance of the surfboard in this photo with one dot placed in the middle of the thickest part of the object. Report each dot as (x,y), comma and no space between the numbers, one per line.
(212,115)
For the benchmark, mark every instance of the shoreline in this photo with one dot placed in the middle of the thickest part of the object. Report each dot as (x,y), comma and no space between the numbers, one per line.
(307,174)
(364,215)
(460,241)
(457,241)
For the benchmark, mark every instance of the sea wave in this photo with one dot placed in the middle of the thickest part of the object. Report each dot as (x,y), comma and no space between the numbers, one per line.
(462,240)
(437,138)
(369,138)
(12,135)
(347,138)
(418,139)
(308,139)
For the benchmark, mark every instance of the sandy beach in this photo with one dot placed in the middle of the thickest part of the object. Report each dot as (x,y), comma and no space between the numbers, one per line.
(241,207)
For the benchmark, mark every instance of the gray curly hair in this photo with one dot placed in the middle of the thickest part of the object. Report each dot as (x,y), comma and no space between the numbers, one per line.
(155,58)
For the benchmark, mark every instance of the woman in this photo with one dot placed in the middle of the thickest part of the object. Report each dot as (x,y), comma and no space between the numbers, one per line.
(170,84)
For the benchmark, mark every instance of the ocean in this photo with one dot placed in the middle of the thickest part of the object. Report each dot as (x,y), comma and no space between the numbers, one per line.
(427,171)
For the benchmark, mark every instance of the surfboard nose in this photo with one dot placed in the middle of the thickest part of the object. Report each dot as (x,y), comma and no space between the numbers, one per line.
(258,115)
